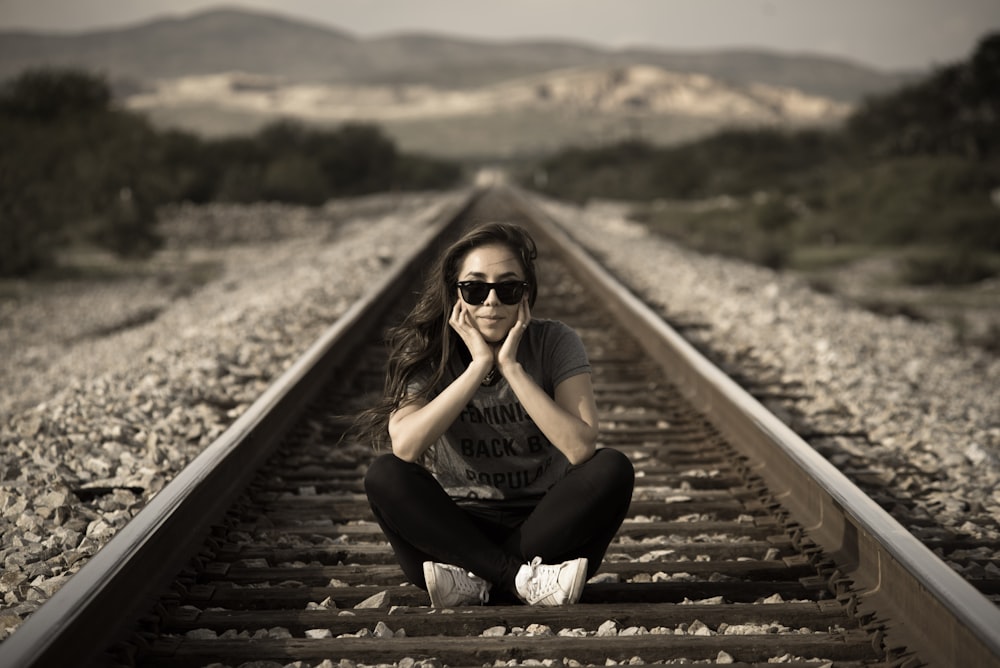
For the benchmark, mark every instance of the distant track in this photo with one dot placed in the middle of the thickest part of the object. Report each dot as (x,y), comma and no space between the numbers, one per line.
(264,546)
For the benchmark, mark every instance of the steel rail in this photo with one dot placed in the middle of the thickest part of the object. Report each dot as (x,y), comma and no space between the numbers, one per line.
(121,580)
(926,605)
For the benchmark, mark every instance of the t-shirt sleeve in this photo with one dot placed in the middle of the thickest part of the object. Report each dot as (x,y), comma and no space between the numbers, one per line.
(417,385)
(566,352)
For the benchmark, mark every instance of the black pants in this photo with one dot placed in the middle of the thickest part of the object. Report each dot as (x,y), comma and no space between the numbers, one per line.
(577,517)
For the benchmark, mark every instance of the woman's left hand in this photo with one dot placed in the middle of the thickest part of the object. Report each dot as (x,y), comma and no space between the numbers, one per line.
(507,353)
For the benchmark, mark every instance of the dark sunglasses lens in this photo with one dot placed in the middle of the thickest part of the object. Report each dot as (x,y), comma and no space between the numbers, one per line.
(510,293)
(475,293)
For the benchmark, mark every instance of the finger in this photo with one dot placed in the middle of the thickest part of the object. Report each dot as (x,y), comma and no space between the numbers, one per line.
(522,318)
(466,317)
(455,320)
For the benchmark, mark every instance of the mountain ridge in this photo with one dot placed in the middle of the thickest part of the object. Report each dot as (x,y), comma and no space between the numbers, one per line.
(228,39)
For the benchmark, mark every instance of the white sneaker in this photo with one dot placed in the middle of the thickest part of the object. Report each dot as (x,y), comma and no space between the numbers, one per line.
(543,584)
(450,586)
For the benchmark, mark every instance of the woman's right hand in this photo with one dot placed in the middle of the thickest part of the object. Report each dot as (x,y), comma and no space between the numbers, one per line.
(415,425)
(461,322)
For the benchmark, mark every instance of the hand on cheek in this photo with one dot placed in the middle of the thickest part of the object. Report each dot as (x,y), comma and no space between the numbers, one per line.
(465,325)
(507,354)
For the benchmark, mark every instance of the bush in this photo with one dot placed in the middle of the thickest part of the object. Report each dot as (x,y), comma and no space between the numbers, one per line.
(355,159)
(294,178)
(947,267)
(289,161)
(46,95)
(75,169)
(914,167)
(24,249)
(731,162)
(952,112)
(921,199)
(575,173)
(775,215)
(425,173)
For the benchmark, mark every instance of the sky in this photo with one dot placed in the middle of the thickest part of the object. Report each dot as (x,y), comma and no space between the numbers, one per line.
(887,34)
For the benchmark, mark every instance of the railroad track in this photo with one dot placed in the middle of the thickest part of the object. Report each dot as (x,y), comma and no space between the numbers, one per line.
(741,543)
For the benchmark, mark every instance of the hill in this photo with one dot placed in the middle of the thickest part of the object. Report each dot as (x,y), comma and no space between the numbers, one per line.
(227,72)
(238,40)
(520,117)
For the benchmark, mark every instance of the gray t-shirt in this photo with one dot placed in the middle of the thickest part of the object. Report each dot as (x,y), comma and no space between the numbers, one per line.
(494,450)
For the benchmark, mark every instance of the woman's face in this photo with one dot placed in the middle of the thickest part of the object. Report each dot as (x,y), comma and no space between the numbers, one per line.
(493,263)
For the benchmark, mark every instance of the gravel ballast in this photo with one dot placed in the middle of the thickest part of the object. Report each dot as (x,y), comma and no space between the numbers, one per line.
(96,424)
(110,391)
(921,411)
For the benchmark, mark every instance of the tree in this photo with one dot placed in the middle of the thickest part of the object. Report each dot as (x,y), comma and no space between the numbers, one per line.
(73,168)
(45,95)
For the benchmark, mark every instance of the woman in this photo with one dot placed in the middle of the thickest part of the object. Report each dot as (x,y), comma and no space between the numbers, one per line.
(494,489)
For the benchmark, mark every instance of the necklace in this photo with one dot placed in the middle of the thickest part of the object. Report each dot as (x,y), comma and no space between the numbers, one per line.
(491,377)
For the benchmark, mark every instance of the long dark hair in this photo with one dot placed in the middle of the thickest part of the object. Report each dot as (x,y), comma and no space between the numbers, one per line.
(423,343)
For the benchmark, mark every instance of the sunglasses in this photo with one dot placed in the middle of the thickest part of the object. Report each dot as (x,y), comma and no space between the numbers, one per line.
(476,292)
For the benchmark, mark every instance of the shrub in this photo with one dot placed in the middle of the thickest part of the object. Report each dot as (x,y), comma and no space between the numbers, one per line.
(775,215)
(74,169)
(425,173)
(294,178)
(947,267)
(46,95)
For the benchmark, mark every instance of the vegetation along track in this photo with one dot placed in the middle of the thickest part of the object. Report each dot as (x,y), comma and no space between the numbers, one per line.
(741,542)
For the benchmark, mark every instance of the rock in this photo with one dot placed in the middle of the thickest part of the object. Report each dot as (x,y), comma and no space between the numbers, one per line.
(379,600)
(318,633)
(608,628)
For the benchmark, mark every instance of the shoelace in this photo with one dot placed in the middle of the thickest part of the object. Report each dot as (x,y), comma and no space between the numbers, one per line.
(541,582)
(471,584)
